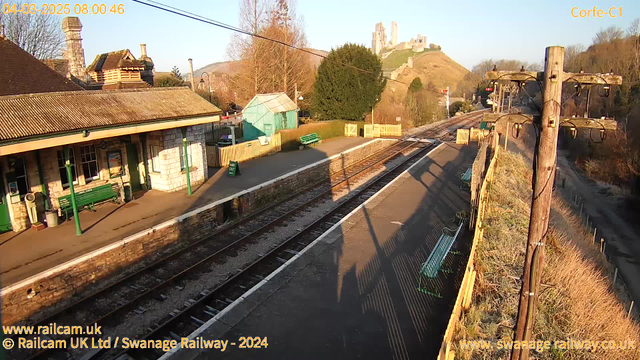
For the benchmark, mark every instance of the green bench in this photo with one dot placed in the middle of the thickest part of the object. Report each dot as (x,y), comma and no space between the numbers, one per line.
(430,268)
(88,198)
(466,179)
(309,139)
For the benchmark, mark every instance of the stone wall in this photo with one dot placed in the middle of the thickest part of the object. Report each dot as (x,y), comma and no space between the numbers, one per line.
(171,176)
(57,287)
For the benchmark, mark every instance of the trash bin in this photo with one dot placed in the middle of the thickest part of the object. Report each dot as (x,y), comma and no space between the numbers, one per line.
(52,218)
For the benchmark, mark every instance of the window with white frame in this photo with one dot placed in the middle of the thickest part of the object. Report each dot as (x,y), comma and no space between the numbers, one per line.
(154,152)
(188,155)
(89,163)
(63,170)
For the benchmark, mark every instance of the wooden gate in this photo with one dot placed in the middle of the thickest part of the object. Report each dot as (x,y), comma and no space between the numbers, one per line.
(351,130)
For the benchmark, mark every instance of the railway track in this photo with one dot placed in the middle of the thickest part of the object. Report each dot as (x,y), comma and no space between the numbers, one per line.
(107,306)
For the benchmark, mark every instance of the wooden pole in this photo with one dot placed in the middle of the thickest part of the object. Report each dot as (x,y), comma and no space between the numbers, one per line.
(193,84)
(506,138)
(630,308)
(544,172)
(615,277)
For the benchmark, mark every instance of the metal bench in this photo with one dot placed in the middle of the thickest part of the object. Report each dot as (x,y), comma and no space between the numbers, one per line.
(430,268)
(309,139)
(88,198)
(466,179)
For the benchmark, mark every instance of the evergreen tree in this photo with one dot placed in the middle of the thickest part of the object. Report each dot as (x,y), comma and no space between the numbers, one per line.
(415,85)
(343,92)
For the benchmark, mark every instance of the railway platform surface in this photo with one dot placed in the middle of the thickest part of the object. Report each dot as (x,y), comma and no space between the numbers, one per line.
(354,293)
(30,252)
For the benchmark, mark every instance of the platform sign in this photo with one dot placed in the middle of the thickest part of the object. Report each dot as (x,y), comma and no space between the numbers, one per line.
(234,168)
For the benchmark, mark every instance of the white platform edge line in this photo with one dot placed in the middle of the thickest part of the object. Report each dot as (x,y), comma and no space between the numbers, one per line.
(16,286)
(210,322)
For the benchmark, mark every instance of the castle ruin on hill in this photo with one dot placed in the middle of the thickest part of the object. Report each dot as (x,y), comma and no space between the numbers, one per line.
(379,40)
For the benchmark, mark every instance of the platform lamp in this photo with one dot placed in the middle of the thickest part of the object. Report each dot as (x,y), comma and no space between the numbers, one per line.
(208,80)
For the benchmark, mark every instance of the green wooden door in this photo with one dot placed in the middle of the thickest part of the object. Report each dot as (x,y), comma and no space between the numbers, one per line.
(268,130)
(5,220)
(132,162)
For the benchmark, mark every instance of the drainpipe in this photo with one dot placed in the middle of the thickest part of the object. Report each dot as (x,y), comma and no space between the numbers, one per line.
(41,177)
(186,159)
(143,139)
(67,164)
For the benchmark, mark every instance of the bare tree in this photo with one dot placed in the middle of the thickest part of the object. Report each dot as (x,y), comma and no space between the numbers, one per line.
(265,66)
(38,34)
(571,52)
(634,28)
(609,34)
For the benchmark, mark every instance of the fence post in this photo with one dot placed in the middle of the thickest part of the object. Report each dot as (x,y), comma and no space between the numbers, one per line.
(615,276)
(602,245)
(594,234)
(630,308)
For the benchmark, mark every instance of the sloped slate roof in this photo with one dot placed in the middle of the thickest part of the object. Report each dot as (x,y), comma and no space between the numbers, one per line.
(25,116)
(276,102)
(115,60)
(21,73)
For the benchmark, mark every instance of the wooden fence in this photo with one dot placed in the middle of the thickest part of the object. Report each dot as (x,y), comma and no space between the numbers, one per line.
(465,293)
(378,130)
(351,130)
(220,157)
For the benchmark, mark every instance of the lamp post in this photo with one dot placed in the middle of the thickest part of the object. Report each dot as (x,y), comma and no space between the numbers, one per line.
(208,81)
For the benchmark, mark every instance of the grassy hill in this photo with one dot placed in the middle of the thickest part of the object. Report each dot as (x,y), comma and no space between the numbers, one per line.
(400,57)
(433,66)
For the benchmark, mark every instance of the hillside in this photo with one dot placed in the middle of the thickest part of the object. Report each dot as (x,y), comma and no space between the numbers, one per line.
(433,66)
(399,57)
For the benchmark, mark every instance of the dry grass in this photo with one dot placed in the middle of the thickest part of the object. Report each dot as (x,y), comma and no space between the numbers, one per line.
(577,301)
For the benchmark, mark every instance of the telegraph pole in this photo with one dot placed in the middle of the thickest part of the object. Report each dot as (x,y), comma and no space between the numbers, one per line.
(543,174)
(544,164)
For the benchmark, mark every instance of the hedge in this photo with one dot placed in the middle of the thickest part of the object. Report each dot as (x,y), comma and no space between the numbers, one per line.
(324,129)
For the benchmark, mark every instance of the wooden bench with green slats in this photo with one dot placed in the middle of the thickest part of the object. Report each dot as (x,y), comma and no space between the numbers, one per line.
(430,268)
(88,198)
(309,139)
(466,179)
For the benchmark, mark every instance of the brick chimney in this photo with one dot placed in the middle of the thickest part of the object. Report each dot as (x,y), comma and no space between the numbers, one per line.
(74,54)
(147,73)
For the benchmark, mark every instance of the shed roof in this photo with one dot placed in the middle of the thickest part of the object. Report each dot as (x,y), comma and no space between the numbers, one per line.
(33,115)
(21,73)
(275,102)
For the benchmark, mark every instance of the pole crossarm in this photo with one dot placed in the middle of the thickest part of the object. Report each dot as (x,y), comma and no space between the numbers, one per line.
(591,123)
(592,79)
(582,78)
(514,75)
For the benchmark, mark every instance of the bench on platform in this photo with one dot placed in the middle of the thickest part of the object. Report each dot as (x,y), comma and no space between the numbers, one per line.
(466,179)
(309,139)
(88,198)
(430,268)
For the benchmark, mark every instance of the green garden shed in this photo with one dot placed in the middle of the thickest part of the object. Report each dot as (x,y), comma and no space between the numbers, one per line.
(267,113)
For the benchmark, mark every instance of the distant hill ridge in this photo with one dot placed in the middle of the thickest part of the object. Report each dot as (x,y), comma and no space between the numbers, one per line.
(230,68)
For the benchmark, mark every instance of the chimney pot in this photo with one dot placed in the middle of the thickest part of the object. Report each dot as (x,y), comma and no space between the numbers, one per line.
(1,31)
(143,50)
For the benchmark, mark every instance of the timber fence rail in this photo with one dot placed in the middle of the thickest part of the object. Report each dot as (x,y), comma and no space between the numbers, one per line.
(221,156)
(478,205)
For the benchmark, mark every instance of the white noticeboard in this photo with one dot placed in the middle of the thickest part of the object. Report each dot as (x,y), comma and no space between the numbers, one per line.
(398,118)
(264,140)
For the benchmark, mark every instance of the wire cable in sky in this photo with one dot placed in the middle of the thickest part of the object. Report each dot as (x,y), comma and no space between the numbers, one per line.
(183,13)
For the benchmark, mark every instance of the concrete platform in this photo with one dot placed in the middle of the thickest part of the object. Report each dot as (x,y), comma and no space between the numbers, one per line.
(25,254)
(354,293)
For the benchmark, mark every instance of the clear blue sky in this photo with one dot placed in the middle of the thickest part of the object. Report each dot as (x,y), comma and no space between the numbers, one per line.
(468,31)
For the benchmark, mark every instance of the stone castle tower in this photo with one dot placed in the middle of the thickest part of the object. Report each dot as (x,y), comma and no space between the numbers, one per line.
(394,34)
(74,54)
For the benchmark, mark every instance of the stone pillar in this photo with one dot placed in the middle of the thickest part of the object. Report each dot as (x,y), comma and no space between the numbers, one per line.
(74,54)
